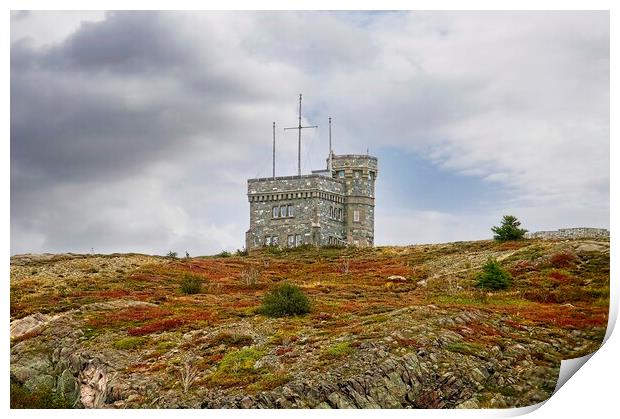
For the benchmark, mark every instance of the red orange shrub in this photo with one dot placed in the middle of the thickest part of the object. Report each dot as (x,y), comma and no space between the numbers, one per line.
(157,327)
(559,276)
(137,314)
(563,259)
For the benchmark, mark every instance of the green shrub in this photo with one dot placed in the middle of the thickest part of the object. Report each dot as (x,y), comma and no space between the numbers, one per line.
(223,254)
(285,300)
(509,230)
(493,276)
(242,252)
(191,284)
(171,255)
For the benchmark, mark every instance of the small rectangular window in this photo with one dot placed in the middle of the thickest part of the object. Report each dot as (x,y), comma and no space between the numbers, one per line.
(274,240)
(340,173)
(356,215)
(357,174)
(291,211)
(283,211)
(291,240)
(340,214)
(268,241)
(275,212)
(297,239)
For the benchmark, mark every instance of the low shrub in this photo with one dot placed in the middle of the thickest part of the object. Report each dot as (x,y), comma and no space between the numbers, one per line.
(285,300)
(250,276)
(223,254)
(171,255)
(562,259)
(493,276)
(191,284)
(242,252)
(231,339)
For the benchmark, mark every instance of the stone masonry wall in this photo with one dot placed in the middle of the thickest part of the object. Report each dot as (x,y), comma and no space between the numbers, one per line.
(359,173)
(313,198)
(569,233)
(310,196)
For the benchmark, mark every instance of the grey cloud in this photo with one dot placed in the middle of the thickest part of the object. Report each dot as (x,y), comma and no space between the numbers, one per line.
(139,130)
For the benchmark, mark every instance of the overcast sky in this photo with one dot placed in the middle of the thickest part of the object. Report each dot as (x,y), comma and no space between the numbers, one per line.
(136,131)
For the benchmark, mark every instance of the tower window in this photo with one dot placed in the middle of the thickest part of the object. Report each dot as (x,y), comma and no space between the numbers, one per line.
(356,215)
(291,211)
(297,239)
(275,212)
(283,211)
(291,240)
(357,174)
(340,173)
(267,240)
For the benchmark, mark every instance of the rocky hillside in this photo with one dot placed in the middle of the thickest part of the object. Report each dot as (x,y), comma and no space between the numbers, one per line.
(389,327)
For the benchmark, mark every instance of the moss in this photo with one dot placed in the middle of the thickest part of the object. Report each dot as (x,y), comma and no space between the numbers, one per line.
(237,368)
(130,343)
(465,348)
(270,381)
(23,398)
(338,350)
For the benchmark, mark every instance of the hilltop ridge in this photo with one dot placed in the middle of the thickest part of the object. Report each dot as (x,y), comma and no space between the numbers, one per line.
(389,327)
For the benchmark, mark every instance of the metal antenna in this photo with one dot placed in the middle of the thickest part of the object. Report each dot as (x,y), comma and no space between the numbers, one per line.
(329,165)
(274,150)
(299,127)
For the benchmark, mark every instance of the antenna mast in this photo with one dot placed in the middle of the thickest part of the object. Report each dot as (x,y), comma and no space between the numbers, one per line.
(274,150)
(299,127)
(329,165)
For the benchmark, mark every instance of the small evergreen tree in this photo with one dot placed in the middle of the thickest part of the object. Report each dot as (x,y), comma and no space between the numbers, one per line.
(509,230)
(493,276)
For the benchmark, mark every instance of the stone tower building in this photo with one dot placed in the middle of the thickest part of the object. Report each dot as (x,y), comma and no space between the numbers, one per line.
(335,206)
